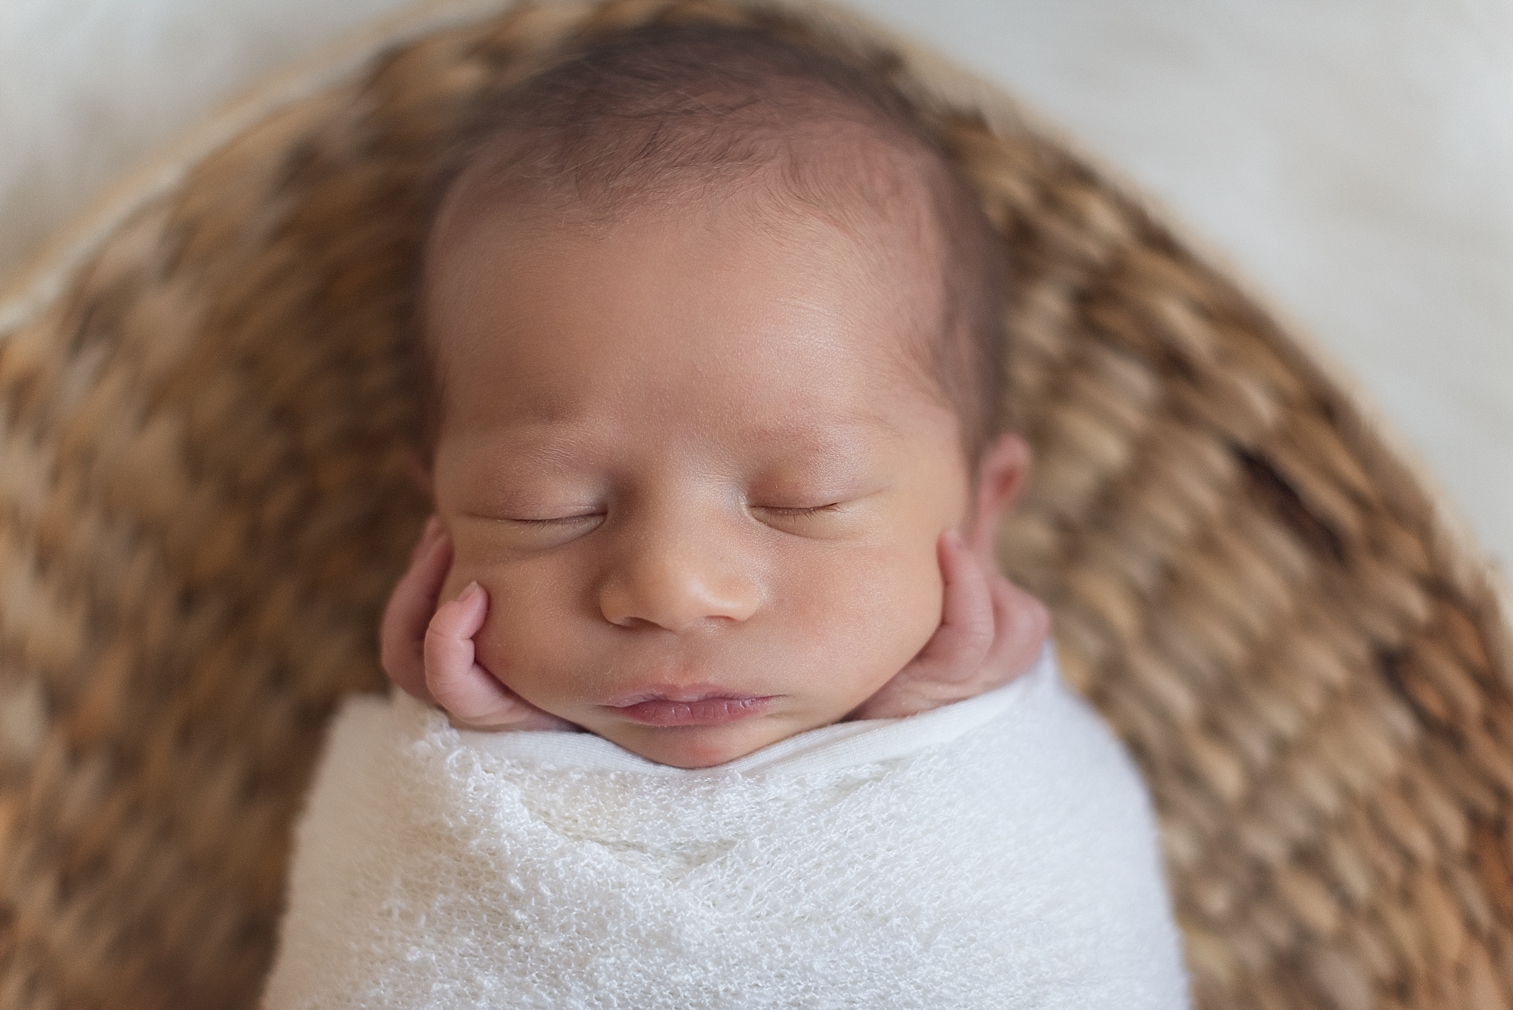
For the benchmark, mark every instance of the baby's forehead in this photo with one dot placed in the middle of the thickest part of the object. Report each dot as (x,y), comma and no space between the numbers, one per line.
(781,330)
(884,255)
(878,243)
(678,121)
(841,178)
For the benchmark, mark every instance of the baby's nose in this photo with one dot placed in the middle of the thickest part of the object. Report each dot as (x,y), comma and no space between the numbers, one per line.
(676,584)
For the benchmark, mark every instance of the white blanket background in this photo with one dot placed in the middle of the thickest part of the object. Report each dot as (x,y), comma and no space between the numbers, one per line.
(1354,157)
(996,853)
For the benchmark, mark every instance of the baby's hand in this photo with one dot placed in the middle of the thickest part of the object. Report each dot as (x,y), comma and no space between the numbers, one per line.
(990,632)
(428,650)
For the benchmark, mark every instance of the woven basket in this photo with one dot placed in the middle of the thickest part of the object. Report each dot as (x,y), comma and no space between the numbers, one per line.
(204,502)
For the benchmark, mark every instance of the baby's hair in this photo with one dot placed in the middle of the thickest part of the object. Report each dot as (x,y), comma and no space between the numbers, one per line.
(673,114)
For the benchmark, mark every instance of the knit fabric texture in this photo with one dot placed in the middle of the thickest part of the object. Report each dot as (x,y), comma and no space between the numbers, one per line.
(998,852)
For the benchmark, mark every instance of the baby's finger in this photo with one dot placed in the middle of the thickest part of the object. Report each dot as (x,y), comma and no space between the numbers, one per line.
(965,634)
(453,676)
(448,650)
(473,697)
(506,710)
(409,611)
(1022,625)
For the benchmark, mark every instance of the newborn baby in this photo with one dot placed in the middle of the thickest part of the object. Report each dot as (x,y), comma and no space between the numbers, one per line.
(713,338)
(704,422)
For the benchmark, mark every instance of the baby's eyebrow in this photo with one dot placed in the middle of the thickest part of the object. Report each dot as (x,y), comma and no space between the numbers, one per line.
(839,436)
(550,428)
(832,442)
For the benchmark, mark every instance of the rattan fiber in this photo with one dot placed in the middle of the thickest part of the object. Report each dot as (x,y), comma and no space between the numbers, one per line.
(203,502)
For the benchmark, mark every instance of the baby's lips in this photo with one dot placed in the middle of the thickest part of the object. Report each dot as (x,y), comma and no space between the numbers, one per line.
(710,711)
(676,693)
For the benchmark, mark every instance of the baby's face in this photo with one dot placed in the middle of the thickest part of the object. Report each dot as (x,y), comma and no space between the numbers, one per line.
(688,459)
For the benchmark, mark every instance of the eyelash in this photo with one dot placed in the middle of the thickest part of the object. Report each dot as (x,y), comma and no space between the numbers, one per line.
(559,520)
(834,506)
(796,513)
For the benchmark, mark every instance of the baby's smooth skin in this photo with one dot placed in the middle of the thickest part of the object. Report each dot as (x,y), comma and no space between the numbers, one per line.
(695,500)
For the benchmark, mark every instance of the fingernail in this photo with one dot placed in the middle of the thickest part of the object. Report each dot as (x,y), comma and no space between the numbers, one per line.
(471,591)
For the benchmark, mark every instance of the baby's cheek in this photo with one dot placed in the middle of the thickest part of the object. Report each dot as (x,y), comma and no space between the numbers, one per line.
(514,587)
(467,565)
(471,564)
(504,640)
(455,582)
(910,597)
(525,641)
(870,616)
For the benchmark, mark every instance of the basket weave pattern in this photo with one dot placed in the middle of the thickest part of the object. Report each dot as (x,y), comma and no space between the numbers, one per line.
(204,502)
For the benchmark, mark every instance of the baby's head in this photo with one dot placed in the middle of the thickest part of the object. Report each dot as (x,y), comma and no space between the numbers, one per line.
(714,332)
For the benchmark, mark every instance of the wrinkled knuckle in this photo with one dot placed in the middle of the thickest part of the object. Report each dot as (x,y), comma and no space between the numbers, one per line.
(437,680)
(982,631)
(977,641)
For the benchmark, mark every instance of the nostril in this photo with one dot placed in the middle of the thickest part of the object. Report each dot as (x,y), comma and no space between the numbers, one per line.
(630,623)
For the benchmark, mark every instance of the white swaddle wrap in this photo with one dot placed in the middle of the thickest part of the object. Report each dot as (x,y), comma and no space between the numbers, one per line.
(998,852)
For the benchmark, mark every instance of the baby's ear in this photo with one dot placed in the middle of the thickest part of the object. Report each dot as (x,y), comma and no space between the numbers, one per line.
(418,465)
(1001,475)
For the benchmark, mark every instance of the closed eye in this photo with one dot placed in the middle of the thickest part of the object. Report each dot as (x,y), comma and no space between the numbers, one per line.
(834,506)
(546,521)
(558,520)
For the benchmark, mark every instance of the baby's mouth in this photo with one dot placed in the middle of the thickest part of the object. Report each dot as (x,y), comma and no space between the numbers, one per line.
(694,706)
